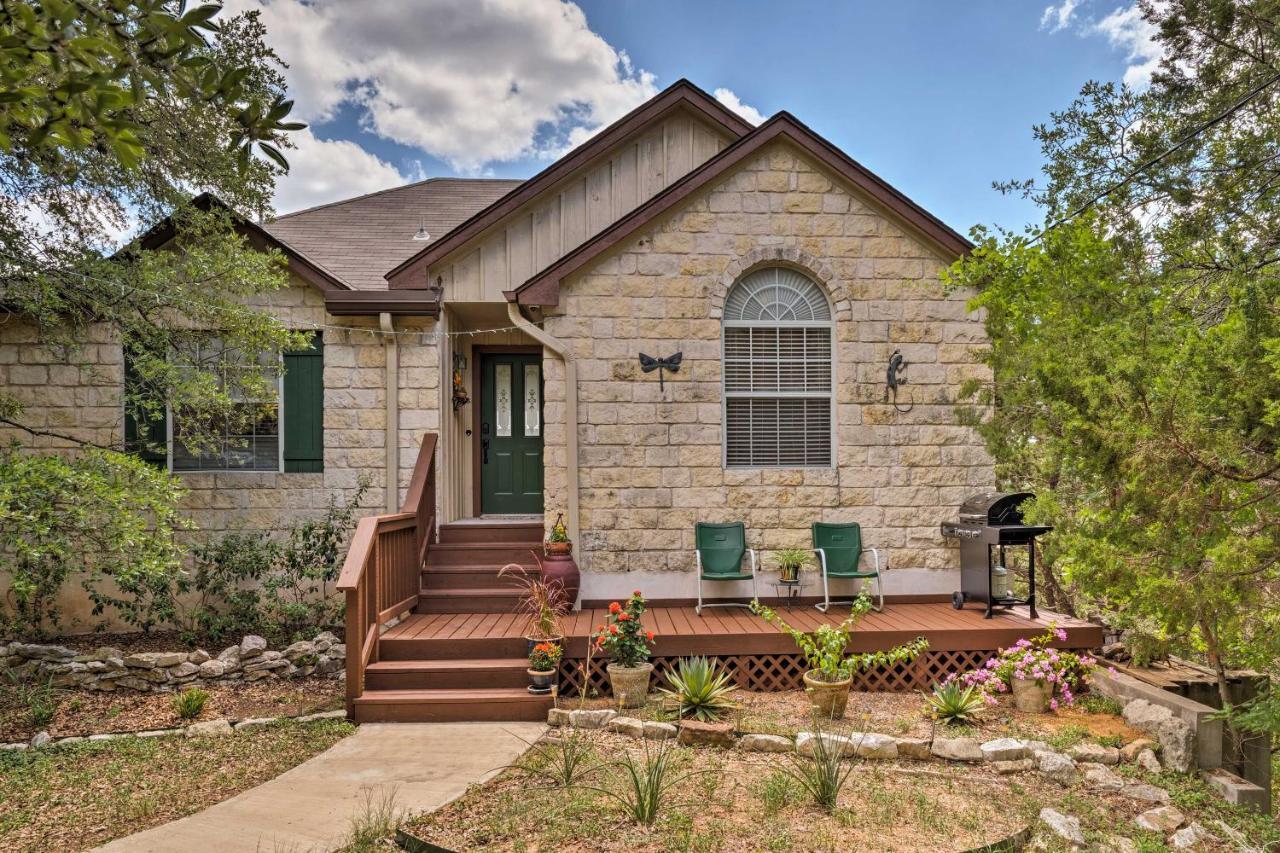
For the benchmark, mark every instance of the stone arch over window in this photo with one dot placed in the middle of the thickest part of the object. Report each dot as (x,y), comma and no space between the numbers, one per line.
(787,256)
(778,347)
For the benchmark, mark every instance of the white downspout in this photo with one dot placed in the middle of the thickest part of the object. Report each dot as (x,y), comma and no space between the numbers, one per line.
(570,407)
(391,348)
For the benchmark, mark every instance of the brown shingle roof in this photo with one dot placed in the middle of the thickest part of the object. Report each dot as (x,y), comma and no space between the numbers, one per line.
(359,239)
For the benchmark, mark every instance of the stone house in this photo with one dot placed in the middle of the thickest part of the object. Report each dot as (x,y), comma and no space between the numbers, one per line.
(508,318)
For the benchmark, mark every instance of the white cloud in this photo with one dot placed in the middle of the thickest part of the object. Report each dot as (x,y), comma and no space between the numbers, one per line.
(731,100)
(469,81)
(1056,18)
(325,170)
(1129,31)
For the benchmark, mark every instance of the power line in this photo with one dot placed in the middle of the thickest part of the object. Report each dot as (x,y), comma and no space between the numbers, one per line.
(1218,119)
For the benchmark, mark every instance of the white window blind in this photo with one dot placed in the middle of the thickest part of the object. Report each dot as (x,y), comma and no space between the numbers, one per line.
(777,372)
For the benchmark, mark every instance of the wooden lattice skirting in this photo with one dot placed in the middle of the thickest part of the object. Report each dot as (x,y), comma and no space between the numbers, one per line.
(766,673)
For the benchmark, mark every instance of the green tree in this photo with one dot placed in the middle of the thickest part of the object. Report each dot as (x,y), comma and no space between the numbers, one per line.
(119,112)
(1136,345)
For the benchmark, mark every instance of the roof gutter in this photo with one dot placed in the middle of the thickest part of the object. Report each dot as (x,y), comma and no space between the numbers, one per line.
(561,349)
(401,303)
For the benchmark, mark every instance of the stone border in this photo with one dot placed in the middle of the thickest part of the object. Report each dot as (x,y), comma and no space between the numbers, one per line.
(206,728)
(110,669)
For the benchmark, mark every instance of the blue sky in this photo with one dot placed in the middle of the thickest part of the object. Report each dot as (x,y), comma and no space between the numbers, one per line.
(938,98)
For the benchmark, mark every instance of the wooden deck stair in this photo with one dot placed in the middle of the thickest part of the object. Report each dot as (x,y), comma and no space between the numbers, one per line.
(444,678)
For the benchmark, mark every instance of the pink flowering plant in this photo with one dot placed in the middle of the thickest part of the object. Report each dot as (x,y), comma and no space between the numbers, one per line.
(1035,660)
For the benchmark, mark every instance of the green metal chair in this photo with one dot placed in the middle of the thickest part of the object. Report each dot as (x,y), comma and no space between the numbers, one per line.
(720,549)
(839,549)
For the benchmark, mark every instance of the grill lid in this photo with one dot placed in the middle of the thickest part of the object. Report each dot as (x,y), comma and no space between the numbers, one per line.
(994,508)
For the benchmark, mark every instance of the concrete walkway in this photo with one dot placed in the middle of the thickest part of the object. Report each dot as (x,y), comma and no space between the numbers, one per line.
(309,808)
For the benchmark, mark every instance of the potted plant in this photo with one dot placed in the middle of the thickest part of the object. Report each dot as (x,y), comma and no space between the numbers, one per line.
(625,640)
(544,666)
(1040,678)
(542,600)
(790,561)
(831,667)
(557,563)
(558,543)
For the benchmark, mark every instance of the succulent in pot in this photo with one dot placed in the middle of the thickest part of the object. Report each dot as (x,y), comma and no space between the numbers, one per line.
(625,640)
(831,666)
(544,666)
(790,561)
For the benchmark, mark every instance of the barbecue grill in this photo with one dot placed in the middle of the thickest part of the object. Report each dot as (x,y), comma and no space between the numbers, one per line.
(990,524)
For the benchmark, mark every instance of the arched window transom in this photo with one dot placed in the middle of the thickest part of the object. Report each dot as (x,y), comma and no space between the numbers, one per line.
(777,372)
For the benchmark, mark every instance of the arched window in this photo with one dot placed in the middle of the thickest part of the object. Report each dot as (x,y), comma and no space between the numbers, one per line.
(777,372)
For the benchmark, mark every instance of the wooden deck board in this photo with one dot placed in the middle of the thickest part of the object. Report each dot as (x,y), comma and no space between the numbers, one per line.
(721,631)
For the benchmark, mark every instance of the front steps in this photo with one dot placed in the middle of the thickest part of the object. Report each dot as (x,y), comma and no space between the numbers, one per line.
(451,680)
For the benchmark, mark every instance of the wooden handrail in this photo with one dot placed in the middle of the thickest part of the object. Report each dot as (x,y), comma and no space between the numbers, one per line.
(381,575)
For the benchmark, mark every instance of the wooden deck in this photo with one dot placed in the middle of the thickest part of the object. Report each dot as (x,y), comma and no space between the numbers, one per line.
(736,631)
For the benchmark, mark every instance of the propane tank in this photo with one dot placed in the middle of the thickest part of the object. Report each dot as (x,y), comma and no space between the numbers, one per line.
(999,583)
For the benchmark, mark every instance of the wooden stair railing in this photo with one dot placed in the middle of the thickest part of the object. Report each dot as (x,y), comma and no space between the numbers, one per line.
(381,576)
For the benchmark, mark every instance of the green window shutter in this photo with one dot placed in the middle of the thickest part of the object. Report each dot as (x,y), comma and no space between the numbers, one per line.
(304,408)
(149,438)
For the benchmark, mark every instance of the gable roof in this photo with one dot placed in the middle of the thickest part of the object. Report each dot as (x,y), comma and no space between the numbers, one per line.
(359,239)
(680,95)
(543,288)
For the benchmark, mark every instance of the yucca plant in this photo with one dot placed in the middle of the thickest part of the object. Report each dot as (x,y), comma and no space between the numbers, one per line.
(698,690)
(954,703)
(824,773)
(647,784)
(560,760)
(189,703)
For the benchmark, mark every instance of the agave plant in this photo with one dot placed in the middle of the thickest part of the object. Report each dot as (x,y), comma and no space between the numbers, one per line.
(954,703)
(698,690)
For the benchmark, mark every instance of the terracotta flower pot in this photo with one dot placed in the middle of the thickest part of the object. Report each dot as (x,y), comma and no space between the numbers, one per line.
(630,684)
(829,698)
(562,569)
(1030,696)
(541,681)
(557,549)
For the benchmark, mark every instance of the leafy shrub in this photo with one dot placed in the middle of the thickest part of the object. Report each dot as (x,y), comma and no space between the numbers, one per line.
(698,690)
(101,513)
(190,702)
(824,773)
(224,583)
(954,703)
(824,649)
(1096,703)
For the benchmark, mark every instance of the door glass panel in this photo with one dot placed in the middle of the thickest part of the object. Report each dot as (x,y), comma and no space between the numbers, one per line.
(532,400)
(502,399)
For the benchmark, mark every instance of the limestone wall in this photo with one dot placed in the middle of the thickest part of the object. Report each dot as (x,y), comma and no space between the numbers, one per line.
(651,462)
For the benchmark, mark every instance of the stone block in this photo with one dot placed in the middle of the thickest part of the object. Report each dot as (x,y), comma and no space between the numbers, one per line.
(585,719)
(765,743)
(957,749)
(1005,749)
(1163,820)
(698,733)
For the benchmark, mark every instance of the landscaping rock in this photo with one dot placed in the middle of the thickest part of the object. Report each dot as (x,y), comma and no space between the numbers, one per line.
(697,733)
(1147,761)
(874,746)
(34,651)
(198,657)
(230,653)
(107,736)
(299,649)
(252,646)
(338,651)
(1007,768)
(627,726)
(211,728)
(1101,778)
(1063,826)
(1191,836)
(107,654)
(154,660)
(1163,820)
(1005,749)
(1095,753)
(1177,745)
(322,715)
(159,733)
(558,717)
(1146,793)
(186,669)
(1118,844)
(1057,767)
(806,744)
(13,747)
(1141,714)
(327,665)
(40,739)
(254,723)
(957,748)
(659,731)
(1131,750)
(323,641)
(68,741)
(584,719)
(919,749)
(765,743)
(212,669)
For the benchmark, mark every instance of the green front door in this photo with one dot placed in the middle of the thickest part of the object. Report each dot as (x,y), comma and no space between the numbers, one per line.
(510,433)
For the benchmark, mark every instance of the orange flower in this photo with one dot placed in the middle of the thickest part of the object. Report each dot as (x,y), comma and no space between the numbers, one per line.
(599,628)
(600,640)
(635,593)
(624,616)
(648,635)
(613,629)
(614,607)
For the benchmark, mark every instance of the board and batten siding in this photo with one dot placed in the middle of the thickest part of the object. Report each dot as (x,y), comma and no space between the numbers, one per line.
(564,217)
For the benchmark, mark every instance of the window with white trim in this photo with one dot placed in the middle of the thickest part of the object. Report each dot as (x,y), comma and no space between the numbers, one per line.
(248,439)
(777,372)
